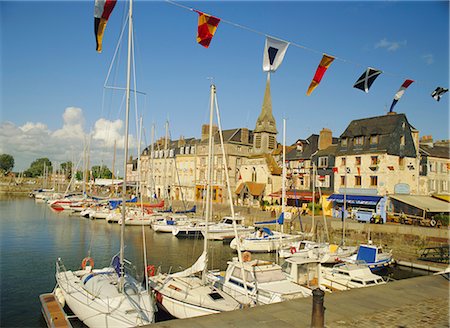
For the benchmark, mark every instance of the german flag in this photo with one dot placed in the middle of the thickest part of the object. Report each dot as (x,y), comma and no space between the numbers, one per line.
(207,26)
(102,11)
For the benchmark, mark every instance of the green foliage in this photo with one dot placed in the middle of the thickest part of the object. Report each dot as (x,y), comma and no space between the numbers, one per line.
(317,208)
(79,175)
(66,168)
(37,167)
(443,217)
(6,163)
(101,172)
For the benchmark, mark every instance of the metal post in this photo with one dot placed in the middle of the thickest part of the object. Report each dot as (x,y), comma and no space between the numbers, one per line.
(318,310)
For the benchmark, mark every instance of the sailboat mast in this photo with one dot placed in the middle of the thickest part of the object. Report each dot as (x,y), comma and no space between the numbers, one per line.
(208,179)
(127,114)
(283,184)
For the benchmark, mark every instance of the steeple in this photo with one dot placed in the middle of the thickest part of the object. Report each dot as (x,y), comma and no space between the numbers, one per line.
(266,121)
(265,133)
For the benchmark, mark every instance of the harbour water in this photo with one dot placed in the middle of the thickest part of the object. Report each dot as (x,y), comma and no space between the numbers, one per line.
(32,237)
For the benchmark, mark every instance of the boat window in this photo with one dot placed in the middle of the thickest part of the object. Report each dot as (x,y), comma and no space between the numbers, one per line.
(357,281)
(269,276)
(228,221)
(240,284)
(215,296)
(237,272)
(286,267)
(370,282)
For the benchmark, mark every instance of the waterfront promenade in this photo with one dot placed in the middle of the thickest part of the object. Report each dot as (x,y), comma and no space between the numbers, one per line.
(416,302)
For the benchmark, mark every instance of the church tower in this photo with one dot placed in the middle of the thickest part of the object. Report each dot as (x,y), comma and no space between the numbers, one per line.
(265,133)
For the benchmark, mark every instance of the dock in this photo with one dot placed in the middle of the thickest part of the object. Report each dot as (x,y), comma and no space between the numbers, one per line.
(420,301)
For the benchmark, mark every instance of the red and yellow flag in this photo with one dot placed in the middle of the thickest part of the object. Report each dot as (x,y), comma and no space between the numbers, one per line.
(102,11)
(324,64)
(207,26)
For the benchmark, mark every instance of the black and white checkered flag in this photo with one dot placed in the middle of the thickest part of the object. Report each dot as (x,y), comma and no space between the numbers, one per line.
(437,94)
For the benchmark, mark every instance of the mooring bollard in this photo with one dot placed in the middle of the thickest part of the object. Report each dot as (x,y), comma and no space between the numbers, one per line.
(318,310)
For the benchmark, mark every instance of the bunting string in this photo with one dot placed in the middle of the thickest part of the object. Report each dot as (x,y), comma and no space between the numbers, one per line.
(293,44)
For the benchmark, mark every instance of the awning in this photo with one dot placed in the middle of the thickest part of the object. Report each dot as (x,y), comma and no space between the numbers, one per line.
(254,188)
(442,197)
(355,199)
(426,203)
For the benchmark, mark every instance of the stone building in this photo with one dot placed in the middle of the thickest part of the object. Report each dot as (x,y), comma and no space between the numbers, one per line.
(434,167)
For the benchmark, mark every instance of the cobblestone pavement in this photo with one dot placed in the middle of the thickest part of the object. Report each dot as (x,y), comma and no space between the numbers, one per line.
(426,314)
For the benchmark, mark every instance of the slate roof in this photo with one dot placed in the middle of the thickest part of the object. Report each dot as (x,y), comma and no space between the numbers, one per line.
(389,129)
(310,145)
(435,151)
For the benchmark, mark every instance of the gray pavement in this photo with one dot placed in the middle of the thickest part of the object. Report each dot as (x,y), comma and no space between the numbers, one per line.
(416,302)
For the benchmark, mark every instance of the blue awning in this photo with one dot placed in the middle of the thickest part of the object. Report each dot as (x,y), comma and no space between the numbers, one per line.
(355,199)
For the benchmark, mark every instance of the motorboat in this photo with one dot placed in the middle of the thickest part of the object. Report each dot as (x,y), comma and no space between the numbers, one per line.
(373,256)
(344,276)
(265,240)
(225,230)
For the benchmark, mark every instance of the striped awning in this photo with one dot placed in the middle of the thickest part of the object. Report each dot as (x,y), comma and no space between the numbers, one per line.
(355,199)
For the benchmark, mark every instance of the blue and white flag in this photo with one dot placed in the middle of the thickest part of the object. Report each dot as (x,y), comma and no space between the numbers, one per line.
(274,52)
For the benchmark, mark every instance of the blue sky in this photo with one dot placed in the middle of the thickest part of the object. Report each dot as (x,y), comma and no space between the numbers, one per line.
(52,78)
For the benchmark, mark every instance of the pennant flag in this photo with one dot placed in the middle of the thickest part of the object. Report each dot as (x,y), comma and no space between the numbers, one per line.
(324,64)
(274,51)
(400,93)
(102,11)
(366,79)
(207,26)
(437,94)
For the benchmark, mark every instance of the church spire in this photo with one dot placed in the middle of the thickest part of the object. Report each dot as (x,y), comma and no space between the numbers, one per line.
(266,121)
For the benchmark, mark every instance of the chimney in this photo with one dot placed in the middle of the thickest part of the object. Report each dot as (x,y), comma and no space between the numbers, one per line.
(205,131)
(244,135)
(426,141)
(181,142)
(325,138)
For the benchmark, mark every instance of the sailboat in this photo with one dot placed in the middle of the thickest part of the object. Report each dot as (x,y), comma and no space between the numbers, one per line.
(110,296)
(184,294)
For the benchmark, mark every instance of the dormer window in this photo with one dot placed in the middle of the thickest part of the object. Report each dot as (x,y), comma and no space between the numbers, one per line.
(358,141)
(344,142)
(402,140)
(374,139)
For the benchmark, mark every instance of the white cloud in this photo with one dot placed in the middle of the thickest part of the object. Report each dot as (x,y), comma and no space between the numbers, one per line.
(34,140)
(390,45)
(429,59)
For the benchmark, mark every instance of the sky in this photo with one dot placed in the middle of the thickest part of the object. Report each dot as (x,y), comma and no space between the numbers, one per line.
(52,79)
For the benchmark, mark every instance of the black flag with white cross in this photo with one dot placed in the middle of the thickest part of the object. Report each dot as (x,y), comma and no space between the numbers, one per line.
(366,79)
(437,94)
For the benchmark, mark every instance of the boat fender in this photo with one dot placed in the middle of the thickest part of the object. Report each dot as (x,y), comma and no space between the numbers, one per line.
(293,250)
(151,270)
(60,297)
(246,256)
(87,260)
(159,297)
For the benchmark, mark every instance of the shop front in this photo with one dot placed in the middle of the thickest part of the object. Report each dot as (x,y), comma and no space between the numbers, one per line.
(363,208)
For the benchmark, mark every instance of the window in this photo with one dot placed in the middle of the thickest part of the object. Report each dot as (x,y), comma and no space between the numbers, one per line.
(181,150)
(432,185)
(192,149)
(323,161)
(373,160)
(269,180)
(374,181)
(342,180)
(402,140)
(374,139)
(258,141)
(344,142)
(238,161)
(271,142)
(358,160)
(343,161)
(401,162)
(357,180)
(444,167)
(444,185)
(358,141)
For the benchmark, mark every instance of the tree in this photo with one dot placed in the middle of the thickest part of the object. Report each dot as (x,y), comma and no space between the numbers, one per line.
(6,163)
(101,172)
(67,169)
(37,167)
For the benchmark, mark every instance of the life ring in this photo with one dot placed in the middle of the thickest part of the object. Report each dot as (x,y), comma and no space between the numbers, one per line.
(433,222)
(293,250)
(151,270)
(85,261)
(246,256)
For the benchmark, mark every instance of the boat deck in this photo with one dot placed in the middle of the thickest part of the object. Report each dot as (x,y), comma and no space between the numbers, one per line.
(52,311)
(410,302)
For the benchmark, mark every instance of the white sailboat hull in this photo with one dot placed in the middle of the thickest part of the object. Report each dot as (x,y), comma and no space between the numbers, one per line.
(95,311)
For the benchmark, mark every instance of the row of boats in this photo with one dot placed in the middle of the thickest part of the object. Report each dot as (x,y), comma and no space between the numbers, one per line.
(198,291)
